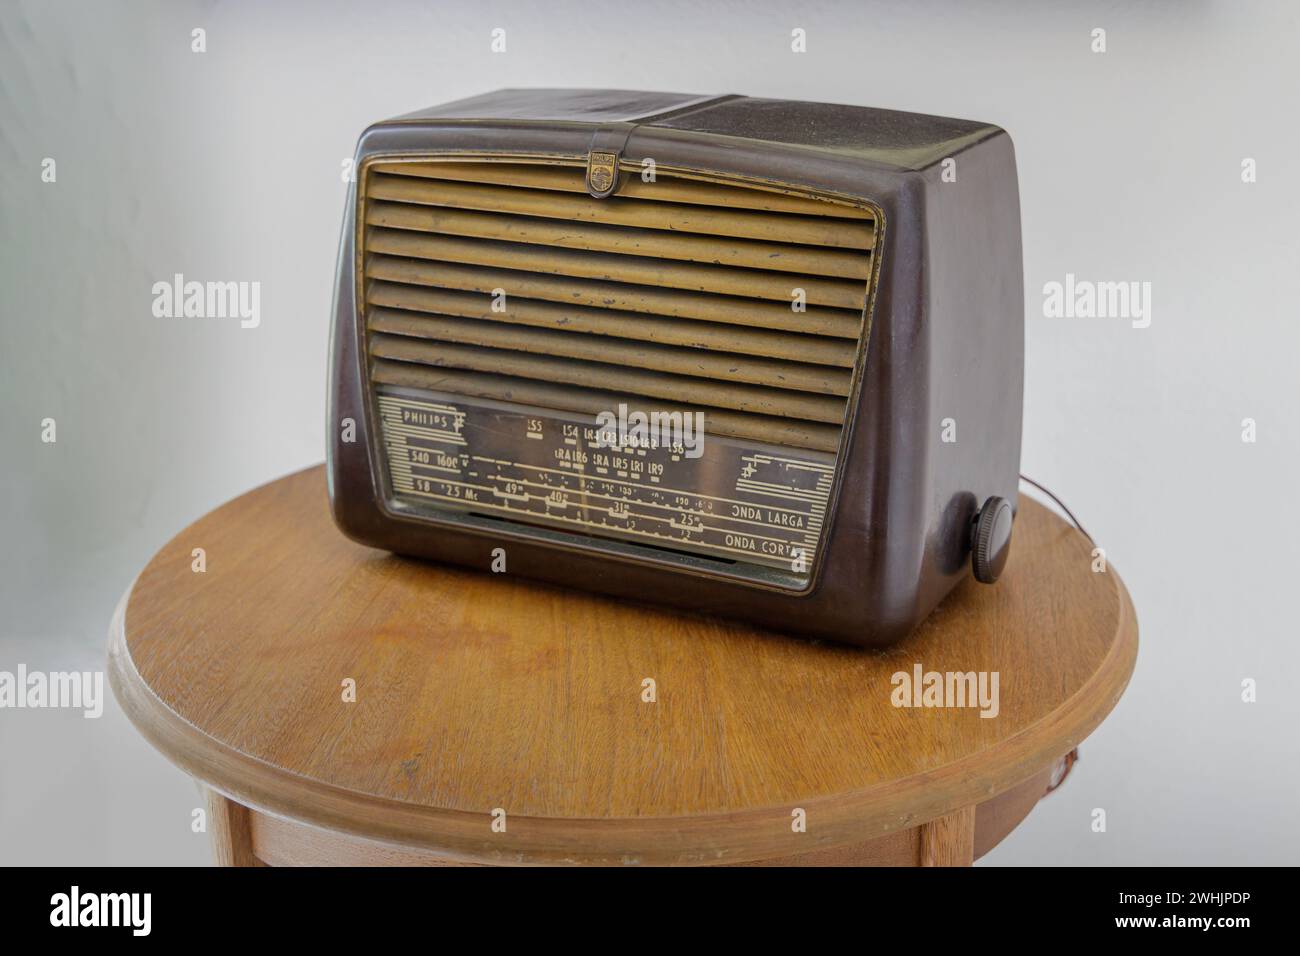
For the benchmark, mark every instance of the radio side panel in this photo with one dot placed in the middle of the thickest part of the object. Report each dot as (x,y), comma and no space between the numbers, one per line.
(975,292)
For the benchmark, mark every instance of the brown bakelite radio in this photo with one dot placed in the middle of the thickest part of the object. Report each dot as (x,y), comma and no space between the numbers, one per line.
(754,358)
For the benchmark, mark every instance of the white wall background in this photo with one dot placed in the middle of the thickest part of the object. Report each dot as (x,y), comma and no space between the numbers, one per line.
(226,165)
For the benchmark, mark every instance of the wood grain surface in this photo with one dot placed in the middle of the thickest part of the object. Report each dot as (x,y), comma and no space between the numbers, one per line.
(478,693)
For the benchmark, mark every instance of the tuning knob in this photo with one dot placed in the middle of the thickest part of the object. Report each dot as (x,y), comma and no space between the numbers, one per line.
(991,539)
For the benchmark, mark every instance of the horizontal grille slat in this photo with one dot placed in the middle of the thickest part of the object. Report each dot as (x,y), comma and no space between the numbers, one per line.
(502,388)
(739,223)
(671,189)
(649,356)
(816,320)
(630,325)
(505,280)
(745,398)
(749,254)
(639,270)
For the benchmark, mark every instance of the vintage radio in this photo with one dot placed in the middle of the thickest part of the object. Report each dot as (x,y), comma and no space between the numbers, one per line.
(747,357)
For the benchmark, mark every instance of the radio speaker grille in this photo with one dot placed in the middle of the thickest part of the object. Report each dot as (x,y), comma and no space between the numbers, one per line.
(507,281)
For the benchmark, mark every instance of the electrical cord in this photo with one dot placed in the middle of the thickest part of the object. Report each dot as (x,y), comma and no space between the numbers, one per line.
(1060,504)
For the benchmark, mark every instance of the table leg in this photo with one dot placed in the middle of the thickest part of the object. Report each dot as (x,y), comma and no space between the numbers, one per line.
(228,826)
(949,840)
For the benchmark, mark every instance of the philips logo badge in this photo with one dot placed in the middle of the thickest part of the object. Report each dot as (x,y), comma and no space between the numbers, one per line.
(602,173)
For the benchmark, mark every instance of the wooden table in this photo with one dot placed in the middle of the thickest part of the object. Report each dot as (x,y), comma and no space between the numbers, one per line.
(500,721)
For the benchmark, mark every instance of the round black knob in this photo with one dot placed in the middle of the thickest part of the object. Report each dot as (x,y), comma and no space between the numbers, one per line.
(991,539)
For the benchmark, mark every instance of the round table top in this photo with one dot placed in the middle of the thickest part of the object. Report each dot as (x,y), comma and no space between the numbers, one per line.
(478,693)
